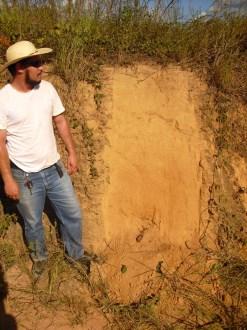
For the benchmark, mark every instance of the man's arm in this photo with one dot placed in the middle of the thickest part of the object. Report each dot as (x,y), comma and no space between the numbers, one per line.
(10,186)
(65,134)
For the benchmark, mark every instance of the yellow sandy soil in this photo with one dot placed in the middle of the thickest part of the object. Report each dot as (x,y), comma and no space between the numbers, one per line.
(150,202)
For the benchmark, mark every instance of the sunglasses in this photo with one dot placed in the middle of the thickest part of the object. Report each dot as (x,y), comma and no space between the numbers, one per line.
(36,63)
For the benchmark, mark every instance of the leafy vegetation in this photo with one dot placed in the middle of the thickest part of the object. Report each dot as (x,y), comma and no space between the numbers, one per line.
(125,32)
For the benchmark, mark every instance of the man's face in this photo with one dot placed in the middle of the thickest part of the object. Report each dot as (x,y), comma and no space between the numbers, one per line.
(33,68)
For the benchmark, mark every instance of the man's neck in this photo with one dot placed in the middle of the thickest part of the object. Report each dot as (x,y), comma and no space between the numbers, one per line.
(21,86)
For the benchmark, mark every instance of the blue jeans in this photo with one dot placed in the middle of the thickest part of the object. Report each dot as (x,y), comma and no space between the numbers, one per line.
(34,188)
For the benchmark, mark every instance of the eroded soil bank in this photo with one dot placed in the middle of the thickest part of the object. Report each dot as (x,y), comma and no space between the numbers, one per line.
(143,186)
(153,155)
(151,197)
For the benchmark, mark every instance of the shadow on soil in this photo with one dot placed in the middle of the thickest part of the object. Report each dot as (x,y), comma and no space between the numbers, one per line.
(7,321)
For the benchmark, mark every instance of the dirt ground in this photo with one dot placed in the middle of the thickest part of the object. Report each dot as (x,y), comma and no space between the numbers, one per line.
(144,207)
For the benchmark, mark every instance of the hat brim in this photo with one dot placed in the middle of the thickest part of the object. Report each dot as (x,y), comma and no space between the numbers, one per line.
(39,51)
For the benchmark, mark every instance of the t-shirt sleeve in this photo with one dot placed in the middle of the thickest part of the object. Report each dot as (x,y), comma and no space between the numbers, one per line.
(58,107)
(3,118)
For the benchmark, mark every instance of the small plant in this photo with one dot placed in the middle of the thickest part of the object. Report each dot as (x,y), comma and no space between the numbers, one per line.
(88,140)
(5,223)
(8,255)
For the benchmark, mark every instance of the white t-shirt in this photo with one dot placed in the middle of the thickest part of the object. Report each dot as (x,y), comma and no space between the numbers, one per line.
(27,119)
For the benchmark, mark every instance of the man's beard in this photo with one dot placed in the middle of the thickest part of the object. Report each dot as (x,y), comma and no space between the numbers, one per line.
(32,83)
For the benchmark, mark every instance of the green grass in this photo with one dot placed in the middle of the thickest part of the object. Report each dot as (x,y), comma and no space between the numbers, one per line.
(81,40)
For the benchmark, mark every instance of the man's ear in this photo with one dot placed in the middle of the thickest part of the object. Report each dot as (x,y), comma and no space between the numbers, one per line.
(19,68)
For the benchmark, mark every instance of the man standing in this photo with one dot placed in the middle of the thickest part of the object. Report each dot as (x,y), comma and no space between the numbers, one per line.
(30,165)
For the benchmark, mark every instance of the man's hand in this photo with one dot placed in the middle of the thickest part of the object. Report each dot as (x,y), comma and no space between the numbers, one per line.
(11,189)
(72,164)
(65,134)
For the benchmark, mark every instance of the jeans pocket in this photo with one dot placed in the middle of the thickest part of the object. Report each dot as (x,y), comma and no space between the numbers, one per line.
(18,175)
(60,167)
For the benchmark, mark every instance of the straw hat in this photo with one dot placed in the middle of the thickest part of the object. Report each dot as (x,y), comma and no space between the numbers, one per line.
(22,49)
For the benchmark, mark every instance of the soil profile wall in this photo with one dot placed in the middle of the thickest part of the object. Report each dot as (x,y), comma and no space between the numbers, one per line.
(152,178)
